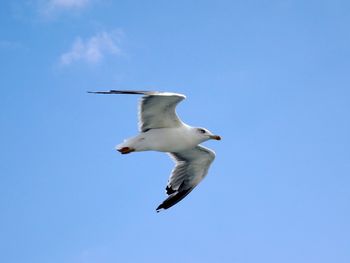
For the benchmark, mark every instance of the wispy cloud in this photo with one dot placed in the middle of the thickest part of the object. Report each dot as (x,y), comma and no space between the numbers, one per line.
(51,8)
(93,49)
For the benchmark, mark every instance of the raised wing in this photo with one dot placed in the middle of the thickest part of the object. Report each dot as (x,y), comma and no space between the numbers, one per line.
(156,110)
(191,167)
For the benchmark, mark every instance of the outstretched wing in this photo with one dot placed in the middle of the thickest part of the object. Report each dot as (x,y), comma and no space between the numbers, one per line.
(156,109)
(191,167)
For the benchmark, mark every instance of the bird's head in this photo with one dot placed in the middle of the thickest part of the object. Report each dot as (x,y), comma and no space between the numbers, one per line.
(205,135)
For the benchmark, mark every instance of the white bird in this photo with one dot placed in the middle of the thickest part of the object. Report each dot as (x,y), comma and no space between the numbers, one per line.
(162,130)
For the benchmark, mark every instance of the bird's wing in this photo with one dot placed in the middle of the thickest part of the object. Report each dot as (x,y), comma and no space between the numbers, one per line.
(156,110)
(191,167)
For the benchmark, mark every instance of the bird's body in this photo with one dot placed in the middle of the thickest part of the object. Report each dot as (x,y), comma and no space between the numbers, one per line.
(163,140)
(162,130)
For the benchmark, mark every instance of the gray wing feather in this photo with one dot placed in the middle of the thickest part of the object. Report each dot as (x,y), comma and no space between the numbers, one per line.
(191,167)
(156,110)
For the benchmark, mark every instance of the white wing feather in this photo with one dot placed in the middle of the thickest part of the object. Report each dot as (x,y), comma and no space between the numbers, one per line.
(190,169)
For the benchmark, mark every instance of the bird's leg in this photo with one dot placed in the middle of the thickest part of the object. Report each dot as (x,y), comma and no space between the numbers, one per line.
(125,150)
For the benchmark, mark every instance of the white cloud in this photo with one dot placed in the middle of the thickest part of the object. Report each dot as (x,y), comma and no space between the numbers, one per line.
(49,8)
(93,49)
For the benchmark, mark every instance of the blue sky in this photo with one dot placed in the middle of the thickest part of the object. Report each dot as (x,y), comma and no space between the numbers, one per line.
(271,77)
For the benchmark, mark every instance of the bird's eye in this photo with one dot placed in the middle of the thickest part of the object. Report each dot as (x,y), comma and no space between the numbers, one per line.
(201,130)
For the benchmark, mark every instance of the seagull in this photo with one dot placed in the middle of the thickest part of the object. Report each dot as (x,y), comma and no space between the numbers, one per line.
(162,130)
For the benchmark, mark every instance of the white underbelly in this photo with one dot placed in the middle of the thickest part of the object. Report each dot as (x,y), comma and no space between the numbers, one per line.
(166,140)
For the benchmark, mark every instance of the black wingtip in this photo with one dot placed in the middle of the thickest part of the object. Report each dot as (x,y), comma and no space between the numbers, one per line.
(139,92)
(169,190)
(99,92)
(160,208)
(173,199)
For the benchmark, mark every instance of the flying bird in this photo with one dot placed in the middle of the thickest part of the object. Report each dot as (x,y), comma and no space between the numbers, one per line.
(162,130)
